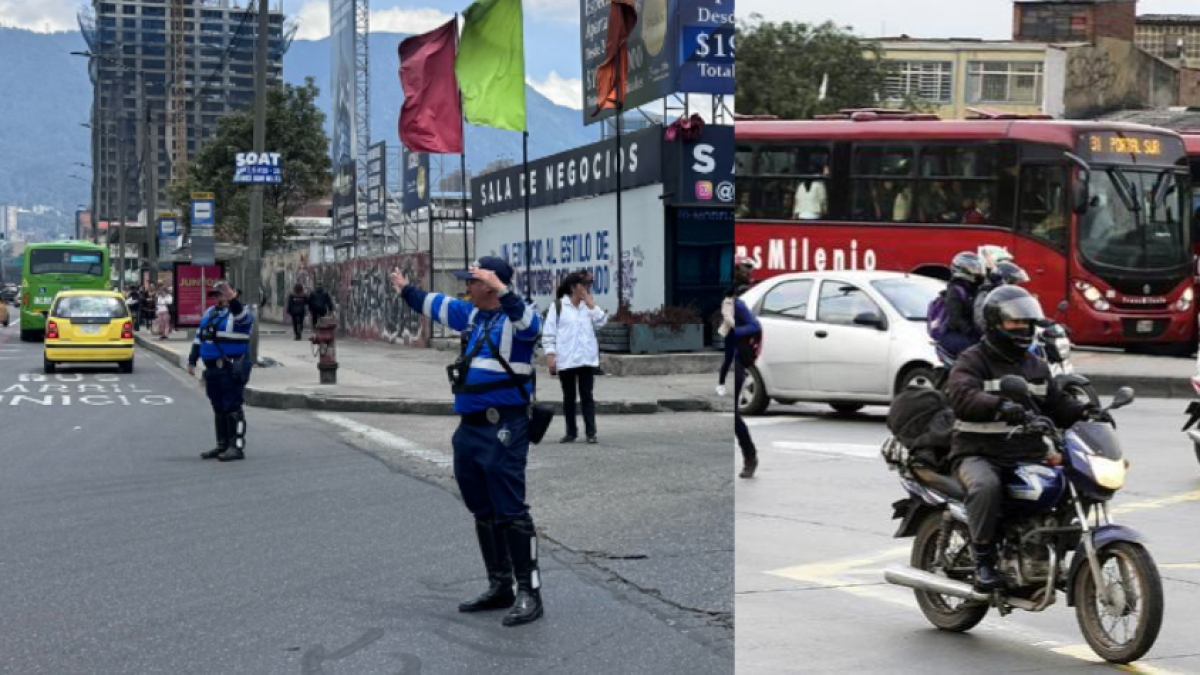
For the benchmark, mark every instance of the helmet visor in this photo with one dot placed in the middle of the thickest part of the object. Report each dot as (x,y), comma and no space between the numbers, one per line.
(1021,309)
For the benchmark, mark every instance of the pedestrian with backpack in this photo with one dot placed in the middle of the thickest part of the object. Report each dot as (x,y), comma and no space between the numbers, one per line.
(951,315)
(320,304)
(297,308)
(572,351)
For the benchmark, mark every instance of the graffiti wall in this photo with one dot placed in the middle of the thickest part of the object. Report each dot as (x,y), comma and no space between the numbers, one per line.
(367,306)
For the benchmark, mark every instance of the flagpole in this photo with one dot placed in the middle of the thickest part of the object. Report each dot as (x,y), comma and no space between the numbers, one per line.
(463,159)
(525,180)
(620,251)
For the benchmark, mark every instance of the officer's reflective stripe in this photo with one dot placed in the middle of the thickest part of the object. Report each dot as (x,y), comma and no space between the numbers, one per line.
(506,341)
(495,366)
(231,335)
(471,317)
(427,306)
(526,319)
(242,315)
(993,386)
(444,312)
(982,427)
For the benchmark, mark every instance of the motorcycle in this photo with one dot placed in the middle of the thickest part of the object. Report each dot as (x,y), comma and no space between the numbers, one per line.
(1051,513)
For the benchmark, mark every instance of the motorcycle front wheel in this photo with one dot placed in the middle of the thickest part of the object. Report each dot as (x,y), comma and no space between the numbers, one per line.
(945,612)
(1121,615)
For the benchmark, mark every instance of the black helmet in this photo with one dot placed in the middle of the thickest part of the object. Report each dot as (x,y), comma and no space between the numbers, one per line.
(1010,273)
(1016,304)
(967,266)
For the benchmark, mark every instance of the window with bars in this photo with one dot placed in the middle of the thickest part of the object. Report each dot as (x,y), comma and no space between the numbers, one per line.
(925,80)
(1004,82)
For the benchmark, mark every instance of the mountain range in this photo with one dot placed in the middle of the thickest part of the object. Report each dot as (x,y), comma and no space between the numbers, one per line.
(45,96)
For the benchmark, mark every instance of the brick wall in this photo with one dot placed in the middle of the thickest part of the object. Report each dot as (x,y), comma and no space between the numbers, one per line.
(1114,20)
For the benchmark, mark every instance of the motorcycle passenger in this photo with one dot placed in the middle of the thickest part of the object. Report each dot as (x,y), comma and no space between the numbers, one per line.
(966,274)
(1005,273)
(983,442)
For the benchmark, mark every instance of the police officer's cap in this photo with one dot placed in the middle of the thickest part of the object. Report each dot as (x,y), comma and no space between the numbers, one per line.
(504,271)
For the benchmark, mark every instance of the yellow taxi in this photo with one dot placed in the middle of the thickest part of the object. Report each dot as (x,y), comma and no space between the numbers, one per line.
(89,327)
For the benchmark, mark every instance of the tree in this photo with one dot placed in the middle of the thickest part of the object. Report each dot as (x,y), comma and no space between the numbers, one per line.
(780,68)
(497,165)
(296,130)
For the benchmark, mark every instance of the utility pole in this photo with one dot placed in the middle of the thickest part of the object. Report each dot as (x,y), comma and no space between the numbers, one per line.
(151,176)
(253,282)
(121,154)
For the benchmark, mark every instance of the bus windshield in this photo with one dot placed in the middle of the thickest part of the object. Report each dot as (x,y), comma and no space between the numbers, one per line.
(1136,220)
(65,261)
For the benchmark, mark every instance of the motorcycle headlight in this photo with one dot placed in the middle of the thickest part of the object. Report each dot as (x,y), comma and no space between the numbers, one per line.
(1109,473)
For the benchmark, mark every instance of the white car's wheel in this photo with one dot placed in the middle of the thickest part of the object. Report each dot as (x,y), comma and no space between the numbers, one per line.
(753,400)
(916,376)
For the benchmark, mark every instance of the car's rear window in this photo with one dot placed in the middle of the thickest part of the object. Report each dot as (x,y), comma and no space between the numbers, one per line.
(89,307)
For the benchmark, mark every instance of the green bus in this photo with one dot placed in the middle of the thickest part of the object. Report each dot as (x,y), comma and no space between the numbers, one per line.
(58,266)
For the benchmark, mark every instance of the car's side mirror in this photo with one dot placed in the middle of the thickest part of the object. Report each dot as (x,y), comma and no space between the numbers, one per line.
(871,319)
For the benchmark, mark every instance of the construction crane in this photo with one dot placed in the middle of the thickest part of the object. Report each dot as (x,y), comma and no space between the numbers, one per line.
(179,95)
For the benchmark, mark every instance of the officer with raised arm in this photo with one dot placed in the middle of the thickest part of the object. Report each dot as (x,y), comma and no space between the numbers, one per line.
(223,342)
(491,381)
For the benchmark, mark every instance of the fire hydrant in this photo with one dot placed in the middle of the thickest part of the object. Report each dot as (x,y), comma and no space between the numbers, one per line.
(326,348)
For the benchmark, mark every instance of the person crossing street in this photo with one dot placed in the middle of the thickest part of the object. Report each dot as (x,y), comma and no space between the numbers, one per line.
(223,342)
(492,387)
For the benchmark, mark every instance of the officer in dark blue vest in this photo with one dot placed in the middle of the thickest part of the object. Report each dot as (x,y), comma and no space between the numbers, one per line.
(223,342)
(492,388)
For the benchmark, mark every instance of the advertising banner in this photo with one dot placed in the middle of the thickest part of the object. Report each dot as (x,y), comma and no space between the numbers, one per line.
(191,292)
(653,55)
(254,167)
(204,222)
(700,173)
(706,58)
(585,171)
(416,180)
(168,231)
(345,143)
(377,184)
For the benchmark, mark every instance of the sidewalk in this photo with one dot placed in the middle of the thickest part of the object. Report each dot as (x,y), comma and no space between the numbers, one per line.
(377,377)
(1150,376)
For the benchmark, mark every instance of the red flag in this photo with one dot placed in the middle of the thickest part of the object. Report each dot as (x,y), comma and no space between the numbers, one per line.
(431,117)
(612,75)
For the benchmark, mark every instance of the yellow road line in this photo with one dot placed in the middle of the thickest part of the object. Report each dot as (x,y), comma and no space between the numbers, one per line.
(1085,653)
(1193,496)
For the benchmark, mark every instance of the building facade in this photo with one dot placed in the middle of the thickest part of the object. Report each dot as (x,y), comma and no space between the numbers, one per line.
(132,37)
(1174,37)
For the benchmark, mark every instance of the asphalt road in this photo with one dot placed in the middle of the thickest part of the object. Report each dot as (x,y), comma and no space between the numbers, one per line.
(123,552)
(814,534)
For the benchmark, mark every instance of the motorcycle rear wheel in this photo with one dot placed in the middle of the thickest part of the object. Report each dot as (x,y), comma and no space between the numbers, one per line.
(1136,583)
(946,613)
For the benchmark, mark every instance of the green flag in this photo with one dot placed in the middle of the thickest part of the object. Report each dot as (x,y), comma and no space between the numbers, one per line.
(491,65)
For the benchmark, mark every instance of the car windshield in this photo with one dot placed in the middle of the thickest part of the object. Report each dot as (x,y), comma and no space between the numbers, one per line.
(89,307)
(910,295)
(1121,200)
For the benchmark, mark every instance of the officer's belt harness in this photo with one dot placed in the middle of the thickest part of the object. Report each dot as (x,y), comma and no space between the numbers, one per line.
(514,380)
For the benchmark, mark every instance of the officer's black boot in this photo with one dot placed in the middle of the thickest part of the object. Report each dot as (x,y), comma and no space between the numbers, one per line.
(522,546)
(222,437)
(499,593)
(987,579)
(236,422)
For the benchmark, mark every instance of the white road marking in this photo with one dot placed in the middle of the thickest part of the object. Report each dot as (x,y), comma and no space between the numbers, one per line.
(773,421)
(857,450)
(388,439)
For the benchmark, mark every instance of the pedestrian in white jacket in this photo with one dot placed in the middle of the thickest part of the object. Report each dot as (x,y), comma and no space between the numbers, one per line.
(572,351)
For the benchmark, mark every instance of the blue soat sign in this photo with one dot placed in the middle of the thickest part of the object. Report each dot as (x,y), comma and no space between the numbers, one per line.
(258,167)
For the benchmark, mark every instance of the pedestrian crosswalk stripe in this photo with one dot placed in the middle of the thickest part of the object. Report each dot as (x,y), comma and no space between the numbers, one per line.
(859,450)
(387,439)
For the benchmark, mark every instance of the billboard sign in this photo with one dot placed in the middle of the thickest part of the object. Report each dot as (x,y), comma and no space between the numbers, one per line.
(376,184)
(258,167)
(585,171)
(345,142)
(416,179)
(706,56)
(700,173)
(191,297)
(653,55)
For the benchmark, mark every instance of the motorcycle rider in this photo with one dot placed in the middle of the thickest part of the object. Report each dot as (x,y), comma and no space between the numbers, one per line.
(984,443)
(966,275)
(1004,273)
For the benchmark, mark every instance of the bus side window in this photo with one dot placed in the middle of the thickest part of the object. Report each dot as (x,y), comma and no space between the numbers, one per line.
(1042,208)
(882,185)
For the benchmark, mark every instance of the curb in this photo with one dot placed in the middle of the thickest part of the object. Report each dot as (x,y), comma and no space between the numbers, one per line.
(285,400)
(1144,387)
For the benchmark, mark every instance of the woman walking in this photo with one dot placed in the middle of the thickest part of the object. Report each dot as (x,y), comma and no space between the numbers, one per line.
(725,330)
(162,307)
(572,352)
(297,308)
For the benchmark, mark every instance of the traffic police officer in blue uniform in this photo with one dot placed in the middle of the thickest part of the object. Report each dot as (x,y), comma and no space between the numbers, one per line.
(492,389)
(223,342)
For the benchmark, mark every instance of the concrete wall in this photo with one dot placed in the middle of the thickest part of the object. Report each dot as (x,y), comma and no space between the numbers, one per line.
(1113,75)
(367,307)
(1189,87)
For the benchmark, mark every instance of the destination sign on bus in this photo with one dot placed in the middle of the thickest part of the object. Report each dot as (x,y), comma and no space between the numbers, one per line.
(1114,146)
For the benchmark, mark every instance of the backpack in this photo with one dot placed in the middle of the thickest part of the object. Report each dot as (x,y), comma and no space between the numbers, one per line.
(921,418)
(937,317)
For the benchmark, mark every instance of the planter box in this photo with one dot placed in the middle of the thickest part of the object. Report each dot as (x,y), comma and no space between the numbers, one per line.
(642,339)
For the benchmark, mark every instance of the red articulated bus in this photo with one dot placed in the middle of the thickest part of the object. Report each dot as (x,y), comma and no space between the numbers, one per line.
(1098,214)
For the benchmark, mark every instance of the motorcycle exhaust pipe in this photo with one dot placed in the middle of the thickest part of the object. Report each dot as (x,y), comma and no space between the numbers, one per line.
(921,580)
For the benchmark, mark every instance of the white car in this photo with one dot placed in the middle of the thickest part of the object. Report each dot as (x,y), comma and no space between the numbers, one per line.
(848,339)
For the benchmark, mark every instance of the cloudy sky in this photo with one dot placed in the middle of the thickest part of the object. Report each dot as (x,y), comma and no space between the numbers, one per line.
(990,19)
(551,30)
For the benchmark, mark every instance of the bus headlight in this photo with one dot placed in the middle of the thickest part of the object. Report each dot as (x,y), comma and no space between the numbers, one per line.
(1093,295)
(1184,303)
